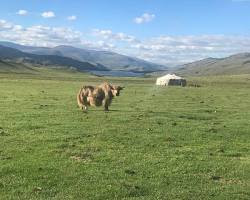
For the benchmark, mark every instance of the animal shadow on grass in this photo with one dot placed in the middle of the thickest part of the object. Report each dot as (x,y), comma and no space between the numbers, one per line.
(130,111)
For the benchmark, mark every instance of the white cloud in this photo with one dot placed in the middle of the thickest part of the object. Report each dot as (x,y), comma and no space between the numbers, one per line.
(103,45)
(39,35)
(182,49)
(164,49)
(48,14)
(17,28)
(4,25)
(47,36)
(109,35)
(22,12)
(146,17)
(72,18)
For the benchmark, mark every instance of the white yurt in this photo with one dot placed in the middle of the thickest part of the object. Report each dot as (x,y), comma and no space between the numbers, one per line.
(171,79)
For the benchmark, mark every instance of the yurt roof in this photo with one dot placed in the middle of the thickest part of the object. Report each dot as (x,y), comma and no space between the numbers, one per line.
(170,76)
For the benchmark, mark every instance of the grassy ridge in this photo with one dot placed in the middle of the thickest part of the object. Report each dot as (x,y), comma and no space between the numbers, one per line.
(156,143)
(234,64)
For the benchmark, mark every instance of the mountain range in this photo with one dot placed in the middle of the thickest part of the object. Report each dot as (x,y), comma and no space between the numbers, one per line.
(91,60)
(98,60)
(234,64)
(8,54)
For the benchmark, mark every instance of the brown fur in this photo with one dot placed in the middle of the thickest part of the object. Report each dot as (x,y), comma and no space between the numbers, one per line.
(97,96)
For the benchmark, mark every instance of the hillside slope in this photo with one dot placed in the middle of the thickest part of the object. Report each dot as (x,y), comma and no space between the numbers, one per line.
(7,67)
(235,64)
(14,55)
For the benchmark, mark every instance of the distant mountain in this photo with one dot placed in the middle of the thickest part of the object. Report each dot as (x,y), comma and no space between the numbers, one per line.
(110,60)
(235,64)
(12,54)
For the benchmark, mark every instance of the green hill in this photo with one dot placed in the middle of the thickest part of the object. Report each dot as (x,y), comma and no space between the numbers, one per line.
(13,67)
(8,54)
(235,64)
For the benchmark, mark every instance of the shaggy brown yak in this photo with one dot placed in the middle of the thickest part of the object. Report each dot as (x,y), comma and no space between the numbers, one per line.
(97,96)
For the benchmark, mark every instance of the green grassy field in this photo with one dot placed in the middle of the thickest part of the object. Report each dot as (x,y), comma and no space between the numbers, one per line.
(155,143)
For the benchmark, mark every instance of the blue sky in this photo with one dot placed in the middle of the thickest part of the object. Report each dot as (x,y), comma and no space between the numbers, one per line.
(163,31)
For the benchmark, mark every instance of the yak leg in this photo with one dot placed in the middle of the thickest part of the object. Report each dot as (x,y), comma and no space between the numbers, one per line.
(84,104)
(106,104)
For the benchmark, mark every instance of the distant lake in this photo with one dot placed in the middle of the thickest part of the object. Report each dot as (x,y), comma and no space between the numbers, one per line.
(117,73)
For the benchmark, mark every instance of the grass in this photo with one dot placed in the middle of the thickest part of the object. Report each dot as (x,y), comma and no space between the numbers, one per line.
(155,143)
